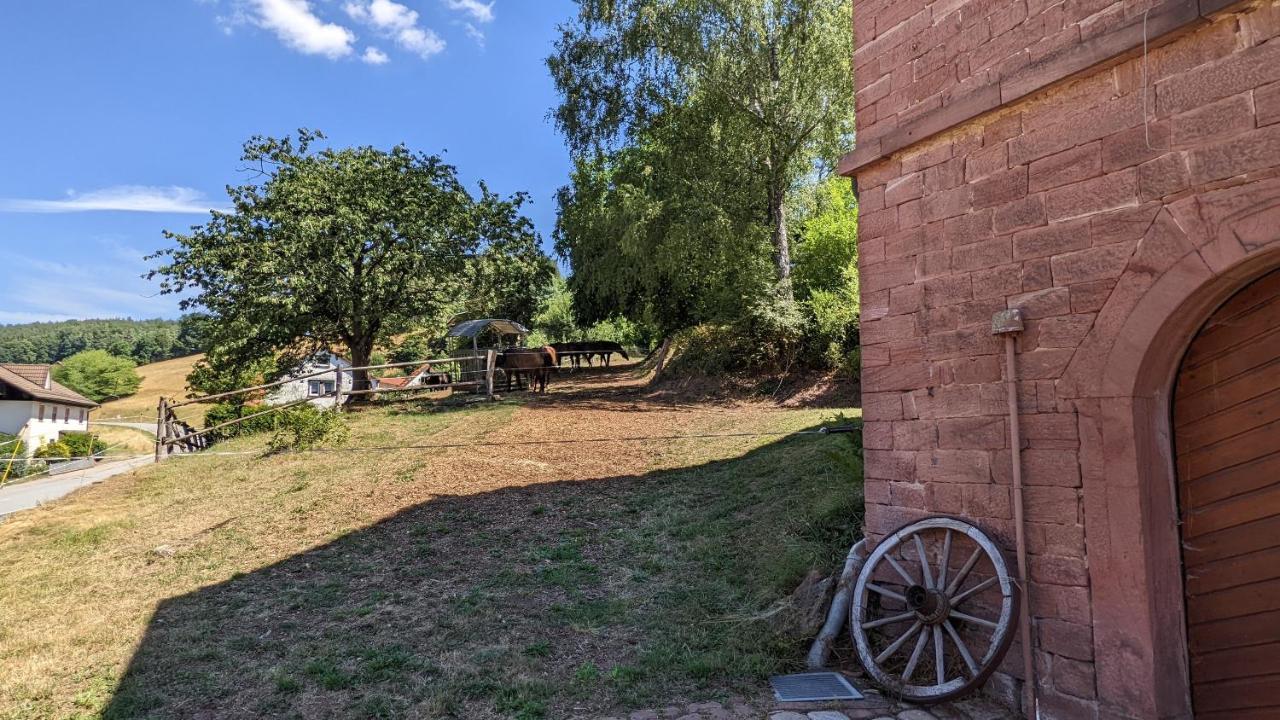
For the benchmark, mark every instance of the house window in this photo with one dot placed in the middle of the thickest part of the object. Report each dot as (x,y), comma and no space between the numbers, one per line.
(81,414)
(41,417)
(316,388)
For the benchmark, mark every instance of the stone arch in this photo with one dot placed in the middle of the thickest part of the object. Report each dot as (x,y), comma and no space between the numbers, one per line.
(1196,254)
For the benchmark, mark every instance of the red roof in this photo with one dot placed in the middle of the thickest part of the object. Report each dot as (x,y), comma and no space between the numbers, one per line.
(37,381)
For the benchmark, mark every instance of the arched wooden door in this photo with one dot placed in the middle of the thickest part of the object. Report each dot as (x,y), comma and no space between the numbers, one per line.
(1226,416)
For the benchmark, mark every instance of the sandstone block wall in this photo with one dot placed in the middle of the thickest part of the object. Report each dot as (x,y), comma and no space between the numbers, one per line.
(1072,204)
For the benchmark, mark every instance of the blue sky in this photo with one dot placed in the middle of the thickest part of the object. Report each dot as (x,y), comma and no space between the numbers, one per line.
(122,119)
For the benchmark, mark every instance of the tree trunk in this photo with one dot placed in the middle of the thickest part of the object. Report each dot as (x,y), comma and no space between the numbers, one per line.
(781,242)
(361,351)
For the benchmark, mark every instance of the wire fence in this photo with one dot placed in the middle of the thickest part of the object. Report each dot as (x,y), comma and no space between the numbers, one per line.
(471,372)
(833,430)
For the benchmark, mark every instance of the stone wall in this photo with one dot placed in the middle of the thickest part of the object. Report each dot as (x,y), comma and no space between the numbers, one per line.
(1096,206)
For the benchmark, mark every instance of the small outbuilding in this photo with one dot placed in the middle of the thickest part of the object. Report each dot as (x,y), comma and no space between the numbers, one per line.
(489,333)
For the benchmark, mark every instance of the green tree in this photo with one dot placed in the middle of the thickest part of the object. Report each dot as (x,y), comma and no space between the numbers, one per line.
(555,317)
(98,375)
(827,248)
(774,74)
(340,247)
(668,232)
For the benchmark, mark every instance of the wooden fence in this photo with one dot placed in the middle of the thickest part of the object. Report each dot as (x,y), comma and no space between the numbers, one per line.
(473,372)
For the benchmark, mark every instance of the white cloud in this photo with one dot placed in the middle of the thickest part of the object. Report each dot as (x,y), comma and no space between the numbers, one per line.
(298,27)
(393,20)
(103,288)
(124,198)
(9,317)
(374,56)
(480,12)
(474,33)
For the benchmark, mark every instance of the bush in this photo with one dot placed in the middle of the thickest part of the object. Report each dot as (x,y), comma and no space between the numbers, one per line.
(306,427)
(833,337)
(56,450)
(223,412)
(14,459)
(769,338)
(82,444)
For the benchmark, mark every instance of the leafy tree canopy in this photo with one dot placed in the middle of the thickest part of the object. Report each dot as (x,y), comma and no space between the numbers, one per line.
(348,247)
(98,375)
(770,78)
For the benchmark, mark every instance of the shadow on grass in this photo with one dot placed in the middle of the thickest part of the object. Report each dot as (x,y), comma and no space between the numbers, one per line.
(556,600)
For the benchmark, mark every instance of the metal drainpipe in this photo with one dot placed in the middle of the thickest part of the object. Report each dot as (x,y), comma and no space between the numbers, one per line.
(1008,323)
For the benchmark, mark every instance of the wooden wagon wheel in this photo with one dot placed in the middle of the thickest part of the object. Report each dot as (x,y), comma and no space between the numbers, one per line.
(937,583)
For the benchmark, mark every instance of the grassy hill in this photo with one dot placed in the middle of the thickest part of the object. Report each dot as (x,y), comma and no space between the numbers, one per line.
(504,572)
(167,378)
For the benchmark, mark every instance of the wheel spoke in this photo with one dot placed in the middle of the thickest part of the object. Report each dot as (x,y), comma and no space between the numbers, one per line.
(964,649)
(939,662)
(887,620)
(964,571)
(905,576)
(975,589)
(946,559)
(924,561)
(893,647)
(915,657)
(976,620)
(886,592)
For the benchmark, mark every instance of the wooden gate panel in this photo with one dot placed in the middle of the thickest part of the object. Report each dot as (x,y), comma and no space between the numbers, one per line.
(1226,418)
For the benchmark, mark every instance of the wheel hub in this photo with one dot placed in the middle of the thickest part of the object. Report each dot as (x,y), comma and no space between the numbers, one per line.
(931,606)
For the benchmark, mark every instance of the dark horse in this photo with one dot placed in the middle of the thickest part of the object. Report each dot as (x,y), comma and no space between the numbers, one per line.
(577,351)
(536,363)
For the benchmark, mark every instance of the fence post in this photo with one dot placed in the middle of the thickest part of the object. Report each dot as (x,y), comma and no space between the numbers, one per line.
(162,409)
(337,389)
(490,362)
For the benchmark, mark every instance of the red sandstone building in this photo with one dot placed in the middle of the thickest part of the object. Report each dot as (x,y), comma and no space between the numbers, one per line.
(1030,154)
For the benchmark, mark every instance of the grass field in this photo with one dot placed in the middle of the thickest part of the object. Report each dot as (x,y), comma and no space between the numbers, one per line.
(125,441)
(485,579)
(167,378)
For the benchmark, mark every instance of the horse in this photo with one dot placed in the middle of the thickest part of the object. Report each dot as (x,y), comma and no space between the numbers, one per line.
(605,349)
(534,362)
(572,351)
(587,349)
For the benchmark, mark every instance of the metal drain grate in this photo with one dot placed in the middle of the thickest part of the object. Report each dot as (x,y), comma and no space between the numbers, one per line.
(810,687)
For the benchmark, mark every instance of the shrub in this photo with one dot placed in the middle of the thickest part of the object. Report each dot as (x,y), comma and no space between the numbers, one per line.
(833,337)
(55,450)
(768,338)
(223,412)
(13,458)
(82,444)
(306,427)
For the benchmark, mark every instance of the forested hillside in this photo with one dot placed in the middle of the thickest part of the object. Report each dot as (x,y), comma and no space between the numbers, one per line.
(144,341)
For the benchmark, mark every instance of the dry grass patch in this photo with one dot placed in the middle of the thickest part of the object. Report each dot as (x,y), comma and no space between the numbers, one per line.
(125,441)
(552,580)
(167,378)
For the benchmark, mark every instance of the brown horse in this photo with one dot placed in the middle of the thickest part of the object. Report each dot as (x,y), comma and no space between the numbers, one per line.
(587,349)
(536,363)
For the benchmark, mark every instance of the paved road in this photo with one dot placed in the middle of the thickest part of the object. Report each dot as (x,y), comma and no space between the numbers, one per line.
(147,427)
(26,495)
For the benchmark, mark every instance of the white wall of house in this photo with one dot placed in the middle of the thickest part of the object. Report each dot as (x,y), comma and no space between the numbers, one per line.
(23,417)
(313,387)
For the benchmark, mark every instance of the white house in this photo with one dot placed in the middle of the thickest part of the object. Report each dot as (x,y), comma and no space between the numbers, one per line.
(36,408)
(320,387)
